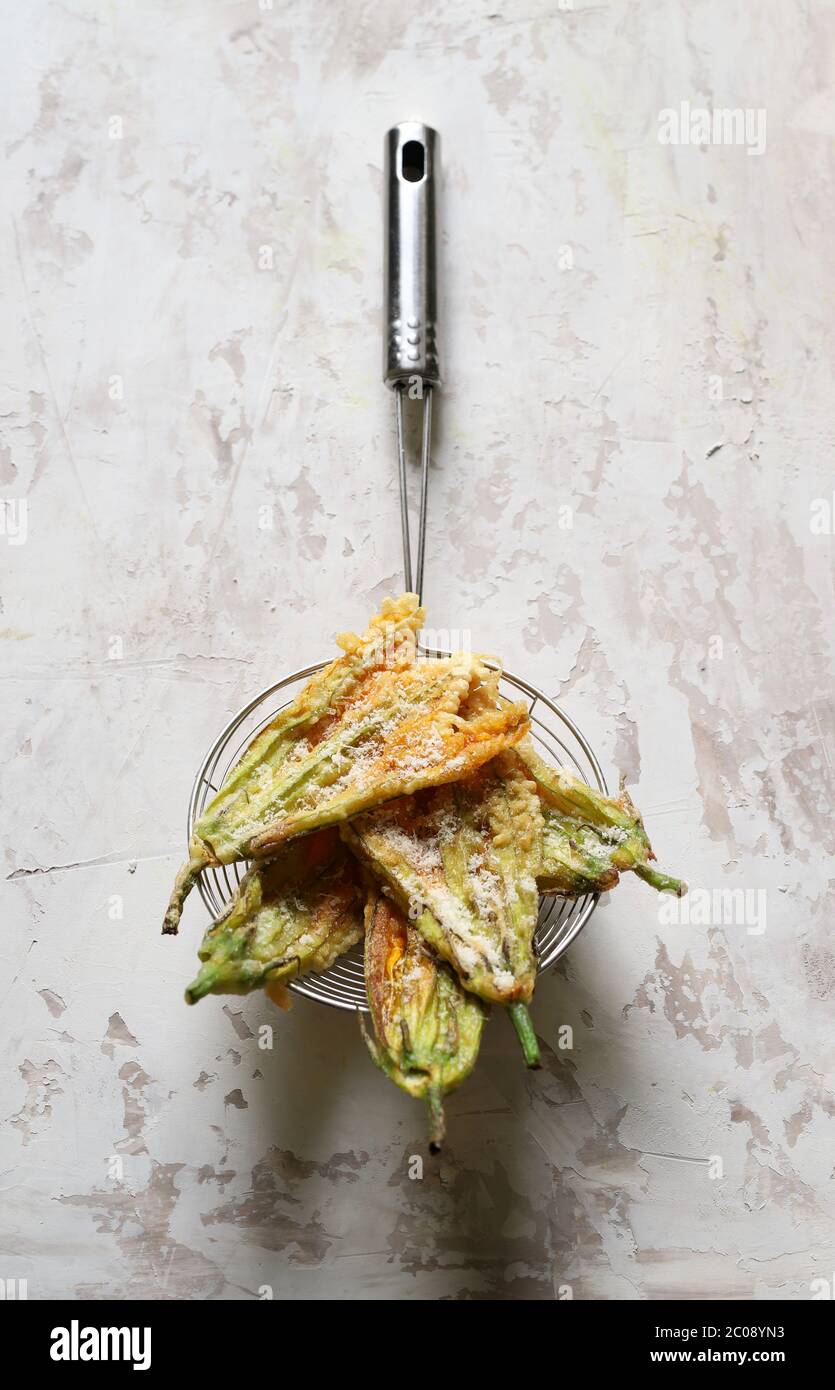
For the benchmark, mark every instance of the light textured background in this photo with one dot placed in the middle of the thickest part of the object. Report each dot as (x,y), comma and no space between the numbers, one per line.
(243,388)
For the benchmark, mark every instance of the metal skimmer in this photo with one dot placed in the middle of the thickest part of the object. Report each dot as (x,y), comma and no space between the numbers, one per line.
(412,370)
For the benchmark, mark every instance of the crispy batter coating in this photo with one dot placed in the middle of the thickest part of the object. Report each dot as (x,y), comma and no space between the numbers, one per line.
(427,1028)
(464,858)
(290,916)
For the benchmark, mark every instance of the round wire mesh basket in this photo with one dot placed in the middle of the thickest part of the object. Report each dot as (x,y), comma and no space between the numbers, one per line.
(558,740)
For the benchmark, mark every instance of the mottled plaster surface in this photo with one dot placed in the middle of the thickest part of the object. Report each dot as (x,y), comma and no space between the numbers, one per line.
(165,379)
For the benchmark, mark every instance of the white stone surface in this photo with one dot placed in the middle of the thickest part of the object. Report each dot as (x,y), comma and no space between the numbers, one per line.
(160,389)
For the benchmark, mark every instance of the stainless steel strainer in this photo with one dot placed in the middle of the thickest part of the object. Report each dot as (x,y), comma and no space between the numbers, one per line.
(412,370)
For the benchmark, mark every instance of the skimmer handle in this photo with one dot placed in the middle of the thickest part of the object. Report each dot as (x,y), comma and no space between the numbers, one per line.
(412,169)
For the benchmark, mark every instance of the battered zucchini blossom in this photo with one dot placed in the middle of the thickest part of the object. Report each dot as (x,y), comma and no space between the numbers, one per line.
(291,916)
(399,796)
(427,1028)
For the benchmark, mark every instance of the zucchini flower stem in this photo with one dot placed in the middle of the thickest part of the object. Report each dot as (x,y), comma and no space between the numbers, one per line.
(521,1020)
(663,883)
(437,1123)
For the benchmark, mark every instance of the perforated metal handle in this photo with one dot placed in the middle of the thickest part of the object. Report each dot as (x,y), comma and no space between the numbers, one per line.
(412,176)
